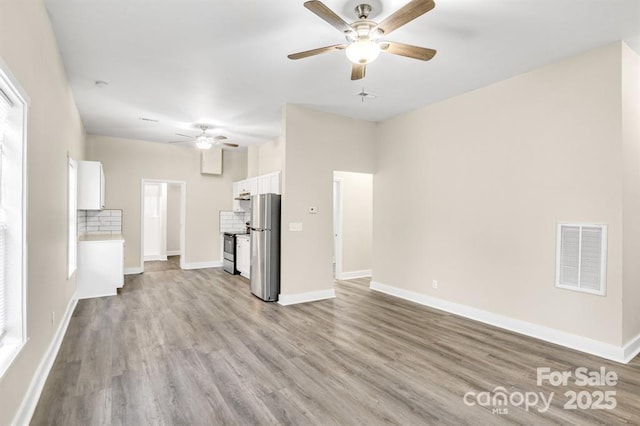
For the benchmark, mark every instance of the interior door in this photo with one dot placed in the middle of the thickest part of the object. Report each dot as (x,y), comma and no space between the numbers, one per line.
(155,221)
(337,227)
(174,218)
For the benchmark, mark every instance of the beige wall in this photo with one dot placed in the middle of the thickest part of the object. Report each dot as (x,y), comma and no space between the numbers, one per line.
(316,144)
(357,216)
(266,158)
(127,162)
(484,178)
(252,160)
(28,47)
(631,192)
(173,217)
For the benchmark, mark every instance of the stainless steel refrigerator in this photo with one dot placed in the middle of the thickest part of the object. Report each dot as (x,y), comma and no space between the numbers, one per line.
(265,246)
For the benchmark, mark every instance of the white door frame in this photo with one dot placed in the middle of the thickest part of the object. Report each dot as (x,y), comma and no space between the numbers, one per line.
(183,209)
(160,221)
(337,225)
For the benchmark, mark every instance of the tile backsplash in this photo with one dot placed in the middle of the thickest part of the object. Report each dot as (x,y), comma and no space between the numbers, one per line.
(231,221)
(99,222)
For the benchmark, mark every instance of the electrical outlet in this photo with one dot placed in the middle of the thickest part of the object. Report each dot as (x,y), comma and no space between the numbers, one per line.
(435,284)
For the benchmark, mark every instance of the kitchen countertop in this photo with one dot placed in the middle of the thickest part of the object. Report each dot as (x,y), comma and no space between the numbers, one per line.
(95,237)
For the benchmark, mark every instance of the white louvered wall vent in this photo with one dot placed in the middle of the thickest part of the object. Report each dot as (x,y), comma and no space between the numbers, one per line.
(582,258)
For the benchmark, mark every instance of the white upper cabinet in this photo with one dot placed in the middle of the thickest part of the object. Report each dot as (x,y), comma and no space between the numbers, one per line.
(269,183)
(238,206)
(91,185)
(242,192)
(249,186)
(244,189)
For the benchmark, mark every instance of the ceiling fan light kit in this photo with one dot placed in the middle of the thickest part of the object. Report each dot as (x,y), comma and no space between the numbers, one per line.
(363,51)
(363,48)
(363,36)
(204,141)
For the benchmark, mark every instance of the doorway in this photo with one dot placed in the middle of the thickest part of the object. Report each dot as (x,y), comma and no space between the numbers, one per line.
(162,224)
(155,221)
(337,227)
(352,225)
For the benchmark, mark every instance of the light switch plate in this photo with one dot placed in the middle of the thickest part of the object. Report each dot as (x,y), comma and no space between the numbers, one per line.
(295,226)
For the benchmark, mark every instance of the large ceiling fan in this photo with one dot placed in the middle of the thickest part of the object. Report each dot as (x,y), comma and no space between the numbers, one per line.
(364,42)
(204,141)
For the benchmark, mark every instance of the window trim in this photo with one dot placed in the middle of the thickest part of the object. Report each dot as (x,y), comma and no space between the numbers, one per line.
(17,95)
(72,206)
(603,259)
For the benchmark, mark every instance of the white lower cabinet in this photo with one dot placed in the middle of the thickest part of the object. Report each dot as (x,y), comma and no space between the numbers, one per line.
(243,264)
(100,267)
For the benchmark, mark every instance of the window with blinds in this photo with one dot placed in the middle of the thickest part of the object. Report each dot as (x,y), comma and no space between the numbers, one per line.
(5,105)
(13,143)
(581,257)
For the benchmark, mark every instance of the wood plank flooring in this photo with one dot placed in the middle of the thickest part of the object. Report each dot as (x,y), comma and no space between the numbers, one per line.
(196,348)
(172,262)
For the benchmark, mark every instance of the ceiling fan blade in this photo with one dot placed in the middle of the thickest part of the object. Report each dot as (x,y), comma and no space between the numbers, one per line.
(328,15)
(317,51)
(233,145)
(180,142)
(219,138)
(415,52)
(186,136)
(405,14)
(358,71)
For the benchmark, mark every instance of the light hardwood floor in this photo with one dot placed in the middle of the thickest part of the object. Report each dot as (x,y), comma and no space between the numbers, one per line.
(196,348)
(172,262)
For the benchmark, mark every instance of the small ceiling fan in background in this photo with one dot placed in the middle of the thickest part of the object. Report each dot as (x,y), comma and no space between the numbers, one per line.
(204,141)
(363,36)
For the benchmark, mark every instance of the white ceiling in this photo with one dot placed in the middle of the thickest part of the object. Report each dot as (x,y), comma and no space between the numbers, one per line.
(225,62)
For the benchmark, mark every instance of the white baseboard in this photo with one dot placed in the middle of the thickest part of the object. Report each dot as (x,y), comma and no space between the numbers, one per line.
(132,271)
(202,265)
(155,257)
(193,265)
(30,401)
(173,253)
(311,296)
(92,296)
(351,275)
(573,341)
(632,349)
